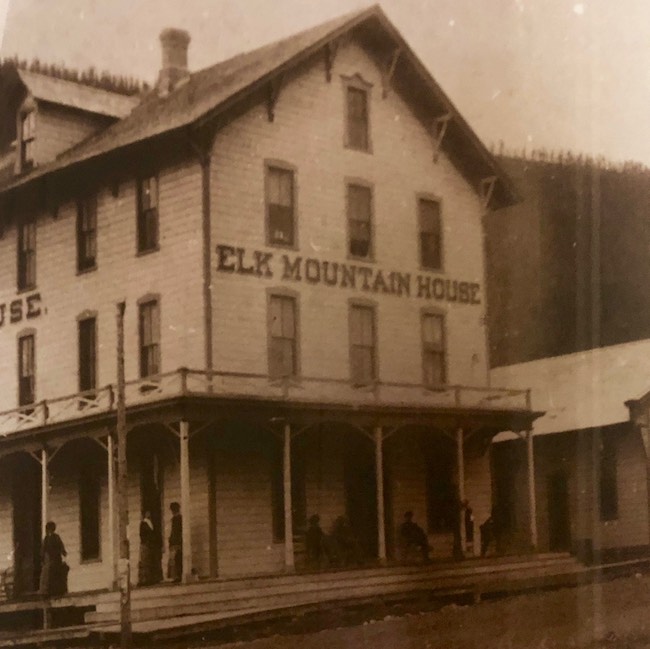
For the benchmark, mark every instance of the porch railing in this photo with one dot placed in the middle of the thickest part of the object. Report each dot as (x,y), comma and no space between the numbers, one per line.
(186,382)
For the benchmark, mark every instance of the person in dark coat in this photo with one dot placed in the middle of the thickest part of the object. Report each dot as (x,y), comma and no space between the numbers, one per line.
(315,542)
(175,567)
(54,571)
(412,535)
(149,570)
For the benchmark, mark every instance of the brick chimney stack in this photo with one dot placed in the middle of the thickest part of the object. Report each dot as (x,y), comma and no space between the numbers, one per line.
(174,68)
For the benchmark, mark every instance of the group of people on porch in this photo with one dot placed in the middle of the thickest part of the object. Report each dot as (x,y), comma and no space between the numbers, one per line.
(150,565)
(340,548)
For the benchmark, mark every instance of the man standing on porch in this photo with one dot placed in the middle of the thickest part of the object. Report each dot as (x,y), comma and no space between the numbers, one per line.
(175,567)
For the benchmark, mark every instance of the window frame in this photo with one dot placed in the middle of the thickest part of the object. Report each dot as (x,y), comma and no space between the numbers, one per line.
(89,316)
(429,312)
(356,83)
(26,258)
(284,294)
(431,198)
(25,117)
(90,478)
(145,247)
(144,303)
(26,334)
(608,492)
(271,165)
(84,233)
(362,184)
(371,306)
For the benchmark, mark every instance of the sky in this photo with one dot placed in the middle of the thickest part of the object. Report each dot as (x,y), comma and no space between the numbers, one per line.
(554,74)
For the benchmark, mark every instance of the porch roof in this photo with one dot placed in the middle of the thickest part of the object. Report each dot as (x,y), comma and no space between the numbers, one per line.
(584,390)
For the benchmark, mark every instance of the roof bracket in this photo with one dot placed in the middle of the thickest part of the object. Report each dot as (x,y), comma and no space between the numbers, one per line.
(389,71)
(331,49)
(439,129)
(487,189)
(273,92)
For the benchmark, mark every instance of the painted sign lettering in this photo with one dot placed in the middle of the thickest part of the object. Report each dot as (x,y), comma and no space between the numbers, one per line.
(22,308)
(295,268)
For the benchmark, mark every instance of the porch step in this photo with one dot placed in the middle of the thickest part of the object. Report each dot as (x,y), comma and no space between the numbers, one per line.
(298,590)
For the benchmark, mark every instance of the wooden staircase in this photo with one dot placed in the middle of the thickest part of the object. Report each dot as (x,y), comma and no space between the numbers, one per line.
(169,606)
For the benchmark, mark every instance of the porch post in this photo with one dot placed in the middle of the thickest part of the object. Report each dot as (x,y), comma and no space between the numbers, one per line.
(379,478)
(45,490)
(460,458)
(184,435)
(113,554)
(289,561)
(532,501)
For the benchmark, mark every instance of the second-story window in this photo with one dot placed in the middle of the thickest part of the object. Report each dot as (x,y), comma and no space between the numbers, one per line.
(359,208)
(148,214)
(363,365)
(27,136)
(434,355)
(357,118)
(87,354)
(87,233)
(283,357)
(430,234)
(280,211)
(27,254)
(149,338)
(26,370)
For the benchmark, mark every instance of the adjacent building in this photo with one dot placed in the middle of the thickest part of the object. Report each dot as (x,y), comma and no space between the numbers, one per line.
(569,318)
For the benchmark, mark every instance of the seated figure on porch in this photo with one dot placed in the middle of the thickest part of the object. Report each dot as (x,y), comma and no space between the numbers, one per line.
(316,544)
(54,570)
(412,537)
(345,544)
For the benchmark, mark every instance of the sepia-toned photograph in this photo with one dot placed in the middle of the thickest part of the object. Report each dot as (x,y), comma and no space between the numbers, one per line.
(325,324)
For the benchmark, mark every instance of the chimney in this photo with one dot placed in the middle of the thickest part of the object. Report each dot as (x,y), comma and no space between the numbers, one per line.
(174,59)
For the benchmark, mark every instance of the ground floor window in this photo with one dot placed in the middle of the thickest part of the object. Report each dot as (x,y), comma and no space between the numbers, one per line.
(608,479)
(89,516)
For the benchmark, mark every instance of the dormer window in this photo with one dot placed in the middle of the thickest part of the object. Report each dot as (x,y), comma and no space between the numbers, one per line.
(27,135)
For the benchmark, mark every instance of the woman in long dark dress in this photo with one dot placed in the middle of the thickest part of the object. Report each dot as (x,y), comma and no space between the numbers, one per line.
(54,571)
(149,568)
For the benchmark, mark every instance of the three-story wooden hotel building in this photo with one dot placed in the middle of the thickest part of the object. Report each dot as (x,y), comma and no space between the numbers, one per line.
(297,236)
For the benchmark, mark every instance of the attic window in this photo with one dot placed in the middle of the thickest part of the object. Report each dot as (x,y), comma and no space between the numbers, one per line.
(357,106)
(27,135)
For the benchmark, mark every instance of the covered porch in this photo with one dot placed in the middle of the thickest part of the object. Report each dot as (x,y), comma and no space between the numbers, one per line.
(250,461)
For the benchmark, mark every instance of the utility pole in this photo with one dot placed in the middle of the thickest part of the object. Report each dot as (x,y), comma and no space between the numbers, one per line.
(122,489)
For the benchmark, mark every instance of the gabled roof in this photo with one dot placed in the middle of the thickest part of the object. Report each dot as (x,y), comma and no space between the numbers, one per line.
(582,390)
(211,92)
(76,95)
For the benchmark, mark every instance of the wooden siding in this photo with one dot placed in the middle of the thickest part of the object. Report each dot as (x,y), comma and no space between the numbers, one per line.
(307,133)
(59,128)
(244,524)
(173,272)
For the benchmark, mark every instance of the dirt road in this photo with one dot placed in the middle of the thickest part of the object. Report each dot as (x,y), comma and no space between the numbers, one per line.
(613,614)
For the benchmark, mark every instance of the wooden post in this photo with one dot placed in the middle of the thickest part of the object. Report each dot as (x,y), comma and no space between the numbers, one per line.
(123,490)
(112,537)
(45,489)
(379,477)
(186,507)
(532,501)
(460,458)
(289,561)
